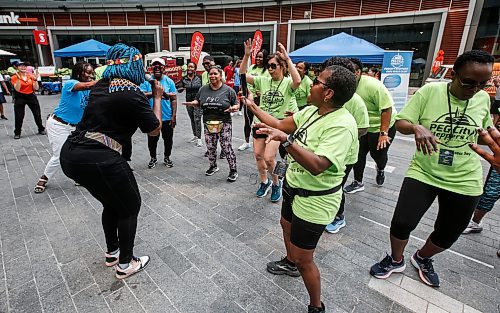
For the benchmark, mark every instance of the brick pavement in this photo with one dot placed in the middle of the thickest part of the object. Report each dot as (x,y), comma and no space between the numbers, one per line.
(210,240)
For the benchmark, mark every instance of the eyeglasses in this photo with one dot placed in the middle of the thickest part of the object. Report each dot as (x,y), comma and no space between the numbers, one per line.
(475,85)
(272,66)
(317,81)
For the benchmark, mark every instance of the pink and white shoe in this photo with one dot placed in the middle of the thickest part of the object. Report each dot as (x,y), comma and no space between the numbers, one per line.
(112,259)
(136,265)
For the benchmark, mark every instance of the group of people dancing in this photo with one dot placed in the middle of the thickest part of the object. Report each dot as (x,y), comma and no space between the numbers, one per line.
(317,130)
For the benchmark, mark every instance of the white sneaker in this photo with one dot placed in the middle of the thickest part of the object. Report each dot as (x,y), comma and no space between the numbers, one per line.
(198,143)
(473,227)
(244,146)
(193,139)
(240,113)
(136,265)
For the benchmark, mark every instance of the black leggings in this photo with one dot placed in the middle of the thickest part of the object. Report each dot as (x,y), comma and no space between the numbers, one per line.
(247,129)
(167,132)
(368,143)
(20,103)
(108,177)
(415,198)
(348,169)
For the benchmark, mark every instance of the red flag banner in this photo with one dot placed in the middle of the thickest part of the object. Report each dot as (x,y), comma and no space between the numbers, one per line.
(40,37)
(257,44)
(197,42)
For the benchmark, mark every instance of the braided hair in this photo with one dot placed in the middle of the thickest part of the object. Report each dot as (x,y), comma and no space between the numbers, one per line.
(132,70)
(78,69)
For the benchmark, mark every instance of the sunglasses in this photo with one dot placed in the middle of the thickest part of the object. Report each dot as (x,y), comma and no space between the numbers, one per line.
(474,86)
(316,81)
(272,66)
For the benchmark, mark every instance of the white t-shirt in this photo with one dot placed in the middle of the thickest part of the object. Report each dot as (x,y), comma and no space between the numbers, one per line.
(1,80)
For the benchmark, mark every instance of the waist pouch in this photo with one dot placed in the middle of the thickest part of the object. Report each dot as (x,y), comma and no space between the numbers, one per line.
(309,193)
(214,127)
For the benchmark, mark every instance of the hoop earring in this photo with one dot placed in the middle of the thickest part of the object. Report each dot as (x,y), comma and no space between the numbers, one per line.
(324,100)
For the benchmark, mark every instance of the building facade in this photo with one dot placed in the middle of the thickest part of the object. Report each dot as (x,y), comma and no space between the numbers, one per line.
(423,26)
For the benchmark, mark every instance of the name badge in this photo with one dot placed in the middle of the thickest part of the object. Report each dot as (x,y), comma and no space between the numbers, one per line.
(446,157)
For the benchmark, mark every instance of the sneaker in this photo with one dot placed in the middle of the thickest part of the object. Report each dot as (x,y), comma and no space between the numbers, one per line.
(112,259)
(42,132)
(17,136)
(282,267)
(152,163)
(276,192)
(232,176)
(354,187)
(240,113)
(425,270)
(136,265)
(473,227)
(193,139)
(264,189)
(313,309)
(244,146)
(222,155)
(380,178)
(212,170)
(3,117)
(336,225)
(386,267)
(198,143)
(167,162)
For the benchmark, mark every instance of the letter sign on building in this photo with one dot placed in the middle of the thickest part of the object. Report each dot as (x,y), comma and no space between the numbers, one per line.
(40,37)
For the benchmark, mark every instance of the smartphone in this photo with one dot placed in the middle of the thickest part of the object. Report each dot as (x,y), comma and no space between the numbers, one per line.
(243,84)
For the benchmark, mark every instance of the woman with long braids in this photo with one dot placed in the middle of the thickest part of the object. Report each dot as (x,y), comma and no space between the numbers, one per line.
(276,93)
(257,69)
(92,153)
(74,99)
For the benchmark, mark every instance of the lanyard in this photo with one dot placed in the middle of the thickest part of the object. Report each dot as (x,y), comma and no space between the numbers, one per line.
(450,114)
(301,130)
(268,107)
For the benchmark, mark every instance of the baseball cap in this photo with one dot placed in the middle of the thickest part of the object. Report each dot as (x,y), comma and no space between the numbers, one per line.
(159,60)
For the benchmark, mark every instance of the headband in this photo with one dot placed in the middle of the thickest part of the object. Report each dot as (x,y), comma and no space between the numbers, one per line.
(124,60)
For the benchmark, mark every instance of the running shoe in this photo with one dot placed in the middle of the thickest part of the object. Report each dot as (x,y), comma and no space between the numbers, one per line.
(313,309)
(18,136)
(276,192)
(380,178)
(336,225)
(198,143)
(193,139)
(112,259)
(244,146)
(354,187)
(167,162)
(473,227)
(232,176)
(283,267)
(152,163)
(42,132)
(386,267)
(425,270)
(264,189)
(3,117)
(212,170)
(136,265)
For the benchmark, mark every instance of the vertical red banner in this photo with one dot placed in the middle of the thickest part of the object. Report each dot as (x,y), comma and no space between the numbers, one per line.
(257,44)
(40,37)
(197,42)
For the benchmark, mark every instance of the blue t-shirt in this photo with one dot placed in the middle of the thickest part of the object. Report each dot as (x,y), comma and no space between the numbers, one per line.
(168,87)
(236,77)
(72,103)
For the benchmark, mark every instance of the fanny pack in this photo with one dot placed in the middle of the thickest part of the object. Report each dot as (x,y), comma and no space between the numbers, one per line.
(105,140)
(309,193)
(214,127)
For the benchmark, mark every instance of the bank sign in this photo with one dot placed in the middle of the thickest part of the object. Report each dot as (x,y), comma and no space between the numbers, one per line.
(396,70)
(15,19)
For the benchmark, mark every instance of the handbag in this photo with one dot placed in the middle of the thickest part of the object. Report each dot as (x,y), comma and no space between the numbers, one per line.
(214,127)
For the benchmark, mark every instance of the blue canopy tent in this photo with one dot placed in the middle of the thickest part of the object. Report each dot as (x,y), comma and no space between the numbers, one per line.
(342,45)
(89,48)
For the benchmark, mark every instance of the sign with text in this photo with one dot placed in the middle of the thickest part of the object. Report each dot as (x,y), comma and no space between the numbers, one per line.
(257,44)
(396,69)
(197,41)
(40,37)
(13,18)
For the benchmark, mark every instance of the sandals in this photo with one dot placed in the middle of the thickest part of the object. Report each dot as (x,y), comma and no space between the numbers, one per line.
(40,185)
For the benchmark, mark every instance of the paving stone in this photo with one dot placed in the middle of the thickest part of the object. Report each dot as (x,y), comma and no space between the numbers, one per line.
(177,262)
(18,272)
(123,300)
(157,302)
(47,273)
(223,304)
(77,276)
(90,300)
(235,288)
(25,299)
(57,300)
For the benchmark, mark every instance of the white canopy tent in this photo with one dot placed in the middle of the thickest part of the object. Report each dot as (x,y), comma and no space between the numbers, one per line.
(3,52)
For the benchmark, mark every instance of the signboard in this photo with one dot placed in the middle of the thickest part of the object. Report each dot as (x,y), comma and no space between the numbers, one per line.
(257,44)
(396,69)
(46,70)
(40,37)
(13,18)
(197,41)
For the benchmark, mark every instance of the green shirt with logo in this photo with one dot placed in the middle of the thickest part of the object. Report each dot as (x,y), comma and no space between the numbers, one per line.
(376,98)
(455,167)
(302,92)
(275,95)
(333,137)
(256,71)
(357,108)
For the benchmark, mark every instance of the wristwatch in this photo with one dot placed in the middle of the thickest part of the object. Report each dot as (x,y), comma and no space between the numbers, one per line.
(383,133)
(289,141)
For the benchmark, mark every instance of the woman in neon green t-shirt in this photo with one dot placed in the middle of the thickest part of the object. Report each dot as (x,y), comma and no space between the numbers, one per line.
(276,92)
(304,89)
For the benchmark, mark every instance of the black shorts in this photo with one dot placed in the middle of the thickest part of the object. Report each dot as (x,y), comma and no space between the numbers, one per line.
(2,97)
(303,234)
(257,136)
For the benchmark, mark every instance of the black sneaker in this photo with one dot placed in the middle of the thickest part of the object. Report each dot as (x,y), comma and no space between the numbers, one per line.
(425,270)
(212,170)
(3,117)
(42,132)
(386,267)
(18,136)
(354,187)
(222,155)
(152,163)
(313,309)
(232,176)
(380,178)
(168,162)
(282,267)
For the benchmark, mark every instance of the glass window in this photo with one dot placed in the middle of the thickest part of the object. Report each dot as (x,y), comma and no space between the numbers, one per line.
(488,30)
(22,45)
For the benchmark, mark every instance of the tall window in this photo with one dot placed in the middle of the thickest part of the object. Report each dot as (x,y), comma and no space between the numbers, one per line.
(22,45)
(488,30)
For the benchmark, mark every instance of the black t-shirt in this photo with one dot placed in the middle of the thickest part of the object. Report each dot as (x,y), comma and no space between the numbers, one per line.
(116,108)
(215,102)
